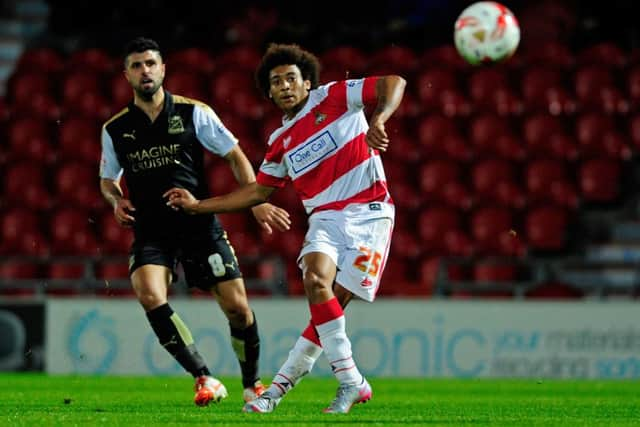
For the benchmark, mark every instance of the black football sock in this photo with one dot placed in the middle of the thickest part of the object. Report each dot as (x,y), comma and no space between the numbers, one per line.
(246,345)
(176,338)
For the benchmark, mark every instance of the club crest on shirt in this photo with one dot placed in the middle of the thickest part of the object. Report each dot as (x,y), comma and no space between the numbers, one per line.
(320,117)
(175,125)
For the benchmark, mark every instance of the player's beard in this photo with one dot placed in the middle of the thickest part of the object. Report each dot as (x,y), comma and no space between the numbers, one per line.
(146,94)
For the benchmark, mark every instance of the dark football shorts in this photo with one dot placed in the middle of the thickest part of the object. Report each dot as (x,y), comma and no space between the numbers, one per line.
(206,259)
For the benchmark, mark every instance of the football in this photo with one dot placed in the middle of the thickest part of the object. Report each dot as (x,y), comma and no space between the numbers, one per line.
(486,32)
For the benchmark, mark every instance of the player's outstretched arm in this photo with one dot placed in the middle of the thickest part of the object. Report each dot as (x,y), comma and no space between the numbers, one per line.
(389,92)
(244,197)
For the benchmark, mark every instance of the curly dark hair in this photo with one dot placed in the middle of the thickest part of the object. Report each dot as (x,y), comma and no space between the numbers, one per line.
(287,54)
(139,45)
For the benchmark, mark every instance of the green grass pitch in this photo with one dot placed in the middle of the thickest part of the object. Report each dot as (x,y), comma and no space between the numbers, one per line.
(41,400)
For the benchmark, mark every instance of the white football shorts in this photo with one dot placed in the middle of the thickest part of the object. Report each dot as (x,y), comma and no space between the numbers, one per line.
(357,239)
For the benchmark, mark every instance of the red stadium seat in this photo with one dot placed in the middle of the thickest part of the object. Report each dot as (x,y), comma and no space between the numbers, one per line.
(114,238)
(432,130)
(14,224)
(24,185)
(405,244)
(553,54)
(30,139)
(633,87)
(77,84)
(547,180)
(546,228)
(597,136)
(22,87)
(606,54)
(434,175)
(487,174)
(538,131)
(444,56)
(486,224)
(432,84)
(66,270)
(79,139)
(76,184)
(112,270)
(70,233)
(239,59)
(554,291)
(193,59)
(121,92)
(434,224)
(405,196)
(590,82)
(392,59)
(45,60)
(484,82)
(18,270)
(492,135)
(94,60)
(599,180)
(343,62)
(41,105)
(634,131)
(185,83)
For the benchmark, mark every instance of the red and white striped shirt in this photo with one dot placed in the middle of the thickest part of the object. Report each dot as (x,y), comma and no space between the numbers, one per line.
(322,150)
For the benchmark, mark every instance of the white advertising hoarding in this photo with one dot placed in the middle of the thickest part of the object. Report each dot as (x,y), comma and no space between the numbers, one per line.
(390,338)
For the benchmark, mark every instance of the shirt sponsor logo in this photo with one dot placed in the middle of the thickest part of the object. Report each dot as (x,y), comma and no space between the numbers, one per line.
(312,152)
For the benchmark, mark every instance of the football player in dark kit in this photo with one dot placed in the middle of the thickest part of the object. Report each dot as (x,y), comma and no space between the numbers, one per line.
(157,142)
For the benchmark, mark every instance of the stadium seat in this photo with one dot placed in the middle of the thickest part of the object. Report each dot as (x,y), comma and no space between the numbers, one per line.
(606,54)
(405,196)
(548,180)
(94,60)
(114,238)
(495,270)
(192,59)
(29,140)
(494,179)
(405,244)
(70,233)
(120,92)
(41,105)
(491,135)
(633,87)
(239,59)
(432,130)
(596,90)
(634,131)
(342,62)
(434,174)
(79,139)
(22,87)
(546,228)
(432,83)
(392,59)
(18,270)
(76,185)
(597,136)
(553,54)
(14,224)
(445,55)
(45,60)
(185,83)
(434,223)
(236,91)
(77,84)
(24,185)
(483,84)
(66,270)
(486,224)
(599,180)
(545,136)
(553,291)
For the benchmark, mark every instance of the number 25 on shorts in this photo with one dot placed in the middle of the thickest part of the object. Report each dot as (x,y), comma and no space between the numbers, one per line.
(368,261)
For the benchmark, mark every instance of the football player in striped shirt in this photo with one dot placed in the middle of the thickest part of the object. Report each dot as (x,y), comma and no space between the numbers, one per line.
(330,153)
